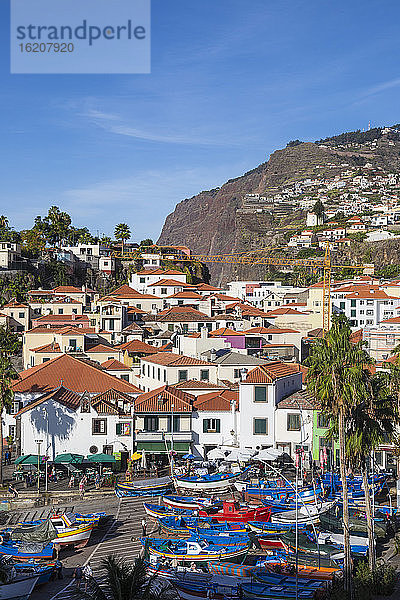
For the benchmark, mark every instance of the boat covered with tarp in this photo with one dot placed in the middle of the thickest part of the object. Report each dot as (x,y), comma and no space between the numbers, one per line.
(158,486)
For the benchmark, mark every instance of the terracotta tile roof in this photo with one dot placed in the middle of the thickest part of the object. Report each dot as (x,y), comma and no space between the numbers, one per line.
(171,359)
(284,311)
(102,348)
(136,310)
(225,298)
(217,401)
(258,330)
(194,384)
(392,320)
(270,330)
(162,399)
(108,403)
(67,289)
(270,372)
(188,295)
(133,328)
(113,394)
(224,331)
(62,395)
(356,336)
(137,346)
(114,365)
(371,294)
(74,374)
(178,314)
(15,304)
(171,283)
(166,347)
(41,292)
(205,287)
(52,347)
(159,272)
(61,318)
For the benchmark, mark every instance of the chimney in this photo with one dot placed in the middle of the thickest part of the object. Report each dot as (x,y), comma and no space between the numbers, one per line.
(204,333)
(213,355)
(73,317)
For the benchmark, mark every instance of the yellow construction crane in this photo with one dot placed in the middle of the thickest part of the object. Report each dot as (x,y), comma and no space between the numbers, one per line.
(253,258)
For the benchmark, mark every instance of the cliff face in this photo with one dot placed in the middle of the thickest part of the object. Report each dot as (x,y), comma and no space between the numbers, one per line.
(216,221)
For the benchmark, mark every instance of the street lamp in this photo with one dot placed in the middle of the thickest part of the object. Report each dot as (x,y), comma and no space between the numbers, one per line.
(38,464)
(172,436)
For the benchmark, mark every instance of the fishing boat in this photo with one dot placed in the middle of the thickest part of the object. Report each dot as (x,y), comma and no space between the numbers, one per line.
(189,502)
(64,529)
(192,550)
(308,546)
(233,570)
(332,520)
(270,578)
(270,527)
(285,495)
(233,511)
(26,551)
(95,518)
(164,569)
(45,571)
(310,571)
(204,527)
(155,511)
(304,515)
(359,544)
(262,591)
(147,487)
(208,484)
(196,590)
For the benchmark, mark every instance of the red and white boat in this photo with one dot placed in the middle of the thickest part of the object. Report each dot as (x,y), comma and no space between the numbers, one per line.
(233,511)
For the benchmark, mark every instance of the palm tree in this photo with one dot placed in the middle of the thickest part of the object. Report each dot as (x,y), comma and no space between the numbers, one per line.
(125,581)
(336,379)
(371,423)
(122,232)
(7,375)
(3,222)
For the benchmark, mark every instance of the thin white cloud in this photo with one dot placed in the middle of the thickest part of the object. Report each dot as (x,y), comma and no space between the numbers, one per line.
(113,123)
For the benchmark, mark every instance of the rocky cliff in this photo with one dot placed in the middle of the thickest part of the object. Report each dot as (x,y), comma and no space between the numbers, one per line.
(217,221)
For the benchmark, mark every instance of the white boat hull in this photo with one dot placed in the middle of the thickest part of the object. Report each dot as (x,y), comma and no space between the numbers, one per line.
(309,514)
(207,487)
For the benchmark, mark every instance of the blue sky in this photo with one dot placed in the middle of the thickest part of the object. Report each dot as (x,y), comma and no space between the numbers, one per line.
(231,81)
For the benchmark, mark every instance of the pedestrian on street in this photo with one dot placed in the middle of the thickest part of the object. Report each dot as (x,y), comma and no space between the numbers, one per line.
(144,527)
(59,567)
(97,481)
(82,488)
(71,481)
(87,574)
(57,549)
(78,574)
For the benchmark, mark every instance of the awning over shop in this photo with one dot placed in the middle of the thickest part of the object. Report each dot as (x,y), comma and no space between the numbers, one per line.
(159,447)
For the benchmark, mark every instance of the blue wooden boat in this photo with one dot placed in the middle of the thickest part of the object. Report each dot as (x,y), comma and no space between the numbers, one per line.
(22,551)
(94,518)
(44,571)
(190,502)
(156,511)
(217,482)
(192,550)
(146,487)
(261,527)
(261,591)
(220,527)
(179,525)
(270,578)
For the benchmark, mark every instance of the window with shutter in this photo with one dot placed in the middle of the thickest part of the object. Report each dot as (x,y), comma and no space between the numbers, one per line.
(260,394)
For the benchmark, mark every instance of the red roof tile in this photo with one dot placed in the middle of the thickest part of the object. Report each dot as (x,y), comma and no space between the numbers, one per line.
(217,401)
(162,399)
(114,365)
(138,346)
(171,359)
(72,373)
(270,372)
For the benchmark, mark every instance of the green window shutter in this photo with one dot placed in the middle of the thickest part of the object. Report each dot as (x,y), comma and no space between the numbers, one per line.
(218,425)
(205,425)
(260,394)
(118,428)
